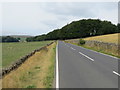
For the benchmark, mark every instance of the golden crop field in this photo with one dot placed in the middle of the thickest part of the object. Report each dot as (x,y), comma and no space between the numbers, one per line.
(110,38)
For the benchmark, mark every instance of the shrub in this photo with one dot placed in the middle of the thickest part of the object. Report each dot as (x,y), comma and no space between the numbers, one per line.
(82,42)
(31,86)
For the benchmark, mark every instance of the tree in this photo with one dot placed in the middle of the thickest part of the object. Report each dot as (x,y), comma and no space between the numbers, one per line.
(18,39)
(9,39)
(118,27)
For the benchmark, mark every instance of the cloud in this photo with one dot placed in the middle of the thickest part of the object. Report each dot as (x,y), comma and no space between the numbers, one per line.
(119,12)
(75,9)
(0,19)
(43,17)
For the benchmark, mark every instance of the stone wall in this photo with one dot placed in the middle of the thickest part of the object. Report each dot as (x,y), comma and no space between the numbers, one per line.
(111,48)
(16,64)
(73,41)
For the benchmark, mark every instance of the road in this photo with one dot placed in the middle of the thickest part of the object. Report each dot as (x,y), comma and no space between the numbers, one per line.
(83,68)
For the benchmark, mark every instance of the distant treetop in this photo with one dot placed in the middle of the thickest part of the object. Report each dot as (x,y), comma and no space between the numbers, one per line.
(9,39)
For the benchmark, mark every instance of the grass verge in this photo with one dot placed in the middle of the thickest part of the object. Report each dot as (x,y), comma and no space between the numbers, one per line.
(48,80)
(36,72)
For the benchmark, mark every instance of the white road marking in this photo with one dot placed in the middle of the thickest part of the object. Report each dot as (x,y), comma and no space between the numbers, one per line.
(66,45)
(57,70)
(116,73)
(86,56)
(73,48)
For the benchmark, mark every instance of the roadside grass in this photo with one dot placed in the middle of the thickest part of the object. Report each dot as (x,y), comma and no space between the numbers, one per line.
(48,81)
(14,51)
(36,72)
(109,38)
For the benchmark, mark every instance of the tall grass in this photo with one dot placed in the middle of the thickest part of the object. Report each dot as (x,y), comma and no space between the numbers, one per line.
(48,80)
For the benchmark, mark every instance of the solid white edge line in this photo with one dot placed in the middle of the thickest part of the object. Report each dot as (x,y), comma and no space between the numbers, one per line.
(86,56)
(57,70)
(116,73)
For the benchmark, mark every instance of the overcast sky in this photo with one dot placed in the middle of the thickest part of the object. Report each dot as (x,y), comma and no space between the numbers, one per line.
(40,18)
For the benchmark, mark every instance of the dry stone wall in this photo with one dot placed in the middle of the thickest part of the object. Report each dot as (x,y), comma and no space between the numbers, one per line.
(16,64)
(104,46)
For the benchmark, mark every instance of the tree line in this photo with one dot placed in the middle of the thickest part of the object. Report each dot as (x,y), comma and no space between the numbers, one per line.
(79,29)
(9,39)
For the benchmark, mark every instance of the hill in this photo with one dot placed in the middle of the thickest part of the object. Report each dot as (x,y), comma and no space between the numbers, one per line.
(79,29)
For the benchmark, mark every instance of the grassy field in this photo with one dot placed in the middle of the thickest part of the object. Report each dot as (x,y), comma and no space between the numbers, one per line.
(14,51)
(110,38)
(36,72)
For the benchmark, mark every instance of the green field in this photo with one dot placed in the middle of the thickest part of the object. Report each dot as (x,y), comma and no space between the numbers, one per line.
(14,51)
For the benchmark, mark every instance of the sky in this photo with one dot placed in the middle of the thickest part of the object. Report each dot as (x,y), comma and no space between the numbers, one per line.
(36,18)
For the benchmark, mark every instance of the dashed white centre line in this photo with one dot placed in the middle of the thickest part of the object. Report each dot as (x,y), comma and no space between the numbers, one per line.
(116,73)
(86,56)
(73,48)
(67,46)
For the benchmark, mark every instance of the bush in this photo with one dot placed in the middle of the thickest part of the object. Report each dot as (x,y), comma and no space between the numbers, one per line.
(31,86)
(82,42)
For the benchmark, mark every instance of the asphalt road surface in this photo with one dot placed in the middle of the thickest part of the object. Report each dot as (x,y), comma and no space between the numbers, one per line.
(84,68)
